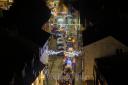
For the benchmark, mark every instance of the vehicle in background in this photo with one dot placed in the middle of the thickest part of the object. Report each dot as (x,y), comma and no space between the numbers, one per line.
(60,48)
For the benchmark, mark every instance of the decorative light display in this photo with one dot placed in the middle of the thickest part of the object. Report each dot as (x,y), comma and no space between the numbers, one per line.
(70,54)
(52,52)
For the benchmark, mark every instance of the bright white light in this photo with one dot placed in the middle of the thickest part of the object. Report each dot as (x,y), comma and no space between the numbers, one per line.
(10,0)
(60,20)
(70,54)
(51,52)
(52,12)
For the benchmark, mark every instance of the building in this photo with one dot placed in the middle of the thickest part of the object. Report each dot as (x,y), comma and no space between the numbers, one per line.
(111,70)
(102,48)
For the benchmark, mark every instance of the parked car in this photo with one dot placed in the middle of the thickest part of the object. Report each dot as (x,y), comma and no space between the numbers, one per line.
(58,34)
(59,41)
(60,44)
(60,48)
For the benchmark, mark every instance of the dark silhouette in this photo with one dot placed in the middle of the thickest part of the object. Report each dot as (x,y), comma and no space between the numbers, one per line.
(20,39)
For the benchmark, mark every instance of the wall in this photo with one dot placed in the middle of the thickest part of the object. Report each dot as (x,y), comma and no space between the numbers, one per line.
(103,47)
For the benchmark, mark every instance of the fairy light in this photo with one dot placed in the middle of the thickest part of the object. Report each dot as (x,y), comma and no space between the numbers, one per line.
(74,53)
